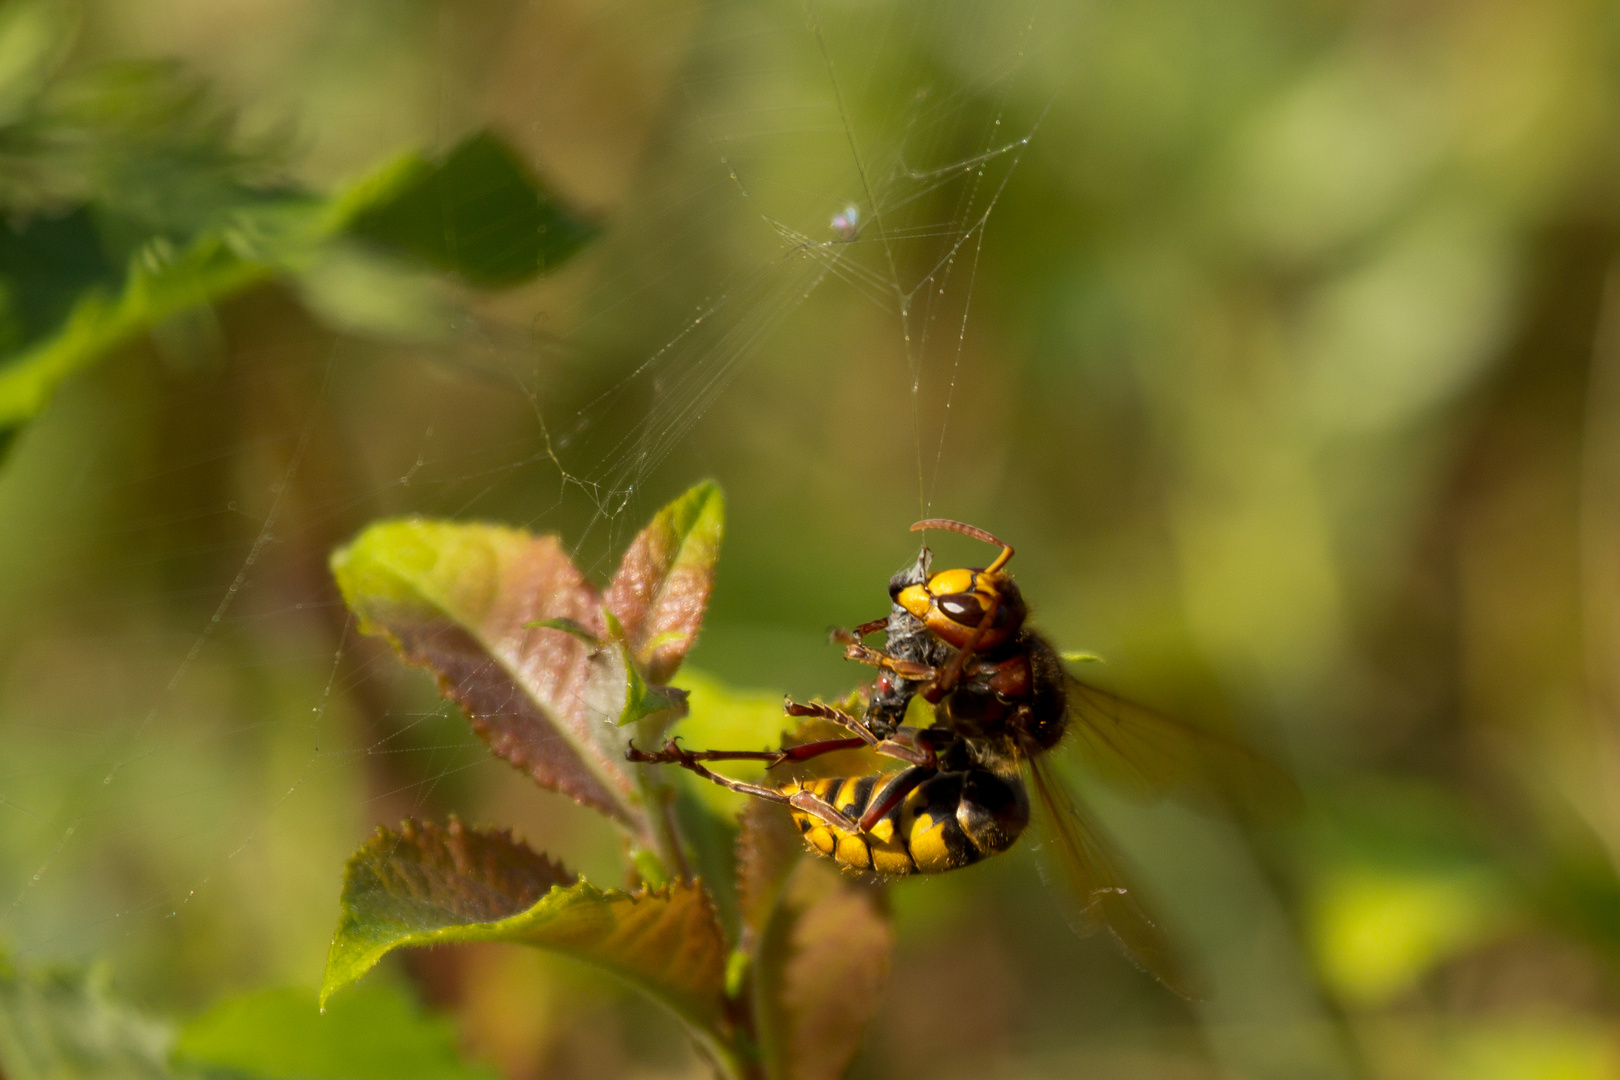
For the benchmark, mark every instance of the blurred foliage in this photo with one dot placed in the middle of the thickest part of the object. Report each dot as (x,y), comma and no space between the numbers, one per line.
(64,1025)
(477,213)
(60,1025)
(1287,360)
(373,1034)
(130,204)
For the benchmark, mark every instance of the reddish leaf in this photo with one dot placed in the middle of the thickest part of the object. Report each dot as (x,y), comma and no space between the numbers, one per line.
(819,972)
(506,623)
(457,599)
(433,875)
(768,848)
(662,586)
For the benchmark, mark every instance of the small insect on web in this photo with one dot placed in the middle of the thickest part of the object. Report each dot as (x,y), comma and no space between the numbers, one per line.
(846,224)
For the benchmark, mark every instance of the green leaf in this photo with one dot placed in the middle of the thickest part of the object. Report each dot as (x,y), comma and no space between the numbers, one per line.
(725,717)
(46,264)
(426,885)
(375,1033)
(567,626)
(819,972)
(61,1026)
(479,213)
(1378,929)
(642,701)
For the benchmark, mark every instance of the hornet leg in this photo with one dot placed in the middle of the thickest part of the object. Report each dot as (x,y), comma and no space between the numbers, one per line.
(889,796)
(772,758)
(799,800)
(833,713)
(902,749)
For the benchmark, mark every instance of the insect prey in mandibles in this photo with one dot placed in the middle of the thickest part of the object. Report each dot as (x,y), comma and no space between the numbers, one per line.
(1002,701)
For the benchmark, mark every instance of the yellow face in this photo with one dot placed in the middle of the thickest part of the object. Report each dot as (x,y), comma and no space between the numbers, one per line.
(953,604)
(918,599)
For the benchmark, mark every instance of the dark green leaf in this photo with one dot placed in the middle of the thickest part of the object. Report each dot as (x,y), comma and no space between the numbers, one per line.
(128,198)
(479,212)
(46,265)
(159,283)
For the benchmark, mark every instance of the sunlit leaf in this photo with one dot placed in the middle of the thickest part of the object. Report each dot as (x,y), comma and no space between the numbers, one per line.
(478,212)
(460,600)
(1535,1048)
(426,885)
(720,716)
(372,1033)
(510,628)
(61,1026)
(732,837)
(819,972)
(1401,884)
(1377,930)
(661,588)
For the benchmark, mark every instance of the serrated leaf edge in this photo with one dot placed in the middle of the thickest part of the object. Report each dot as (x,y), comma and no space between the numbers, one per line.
(501,930)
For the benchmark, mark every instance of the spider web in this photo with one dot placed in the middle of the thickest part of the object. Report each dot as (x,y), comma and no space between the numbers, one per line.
(190,713)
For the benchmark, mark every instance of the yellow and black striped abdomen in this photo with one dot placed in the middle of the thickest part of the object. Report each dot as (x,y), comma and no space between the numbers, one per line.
(950,820)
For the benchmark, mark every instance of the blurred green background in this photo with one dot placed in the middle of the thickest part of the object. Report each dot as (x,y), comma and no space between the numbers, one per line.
(1281,338)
